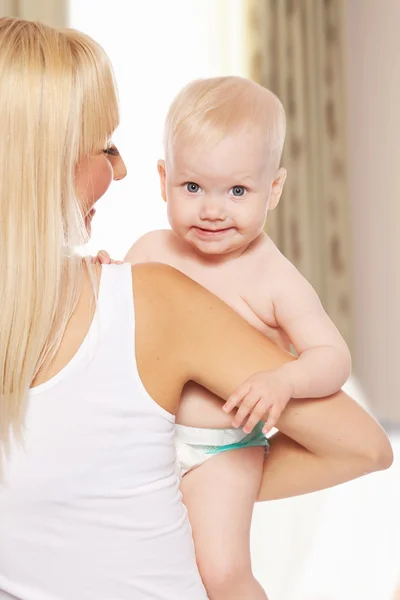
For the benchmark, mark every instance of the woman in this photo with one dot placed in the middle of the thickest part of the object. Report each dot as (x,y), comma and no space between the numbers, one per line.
(93,360)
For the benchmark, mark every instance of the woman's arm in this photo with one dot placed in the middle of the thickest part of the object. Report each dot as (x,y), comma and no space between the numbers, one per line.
(184,333)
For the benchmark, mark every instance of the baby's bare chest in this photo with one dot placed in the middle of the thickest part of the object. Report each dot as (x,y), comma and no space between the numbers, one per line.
(241,285)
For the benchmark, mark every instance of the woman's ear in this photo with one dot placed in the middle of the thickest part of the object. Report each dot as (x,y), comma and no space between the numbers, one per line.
(277,188)
(162,175)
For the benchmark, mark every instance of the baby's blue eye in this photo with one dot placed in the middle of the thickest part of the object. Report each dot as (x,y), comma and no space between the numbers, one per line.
(238,190)
(193,188)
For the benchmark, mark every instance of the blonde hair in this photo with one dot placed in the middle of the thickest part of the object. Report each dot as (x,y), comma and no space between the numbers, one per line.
(57,104)
(206,110)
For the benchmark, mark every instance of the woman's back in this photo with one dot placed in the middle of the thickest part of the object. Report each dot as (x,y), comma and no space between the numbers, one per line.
(90,508)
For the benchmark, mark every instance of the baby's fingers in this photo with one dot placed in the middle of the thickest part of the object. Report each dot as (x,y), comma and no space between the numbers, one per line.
(255,417)
(272,420)
(236,398)
(246,407)
(104,257)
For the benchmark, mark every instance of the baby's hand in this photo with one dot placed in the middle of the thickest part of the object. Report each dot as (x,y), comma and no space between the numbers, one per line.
(261,393)
(103,258)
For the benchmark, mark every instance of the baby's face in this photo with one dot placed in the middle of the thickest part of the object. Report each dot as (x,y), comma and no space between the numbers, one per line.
(218,196)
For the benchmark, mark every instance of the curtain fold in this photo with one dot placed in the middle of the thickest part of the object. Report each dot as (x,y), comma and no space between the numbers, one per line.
(8,8)
(295,48)
(51,12)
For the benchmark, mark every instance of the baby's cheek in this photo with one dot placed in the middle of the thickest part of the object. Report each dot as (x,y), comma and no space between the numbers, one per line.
(173,217)
(257,220)
(251,223)
(178,213)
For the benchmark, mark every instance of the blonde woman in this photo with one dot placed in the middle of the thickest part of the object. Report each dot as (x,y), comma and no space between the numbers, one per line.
(93,359)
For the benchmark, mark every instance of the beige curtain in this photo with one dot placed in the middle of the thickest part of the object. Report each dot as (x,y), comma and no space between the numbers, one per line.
(51,12)
(294,47)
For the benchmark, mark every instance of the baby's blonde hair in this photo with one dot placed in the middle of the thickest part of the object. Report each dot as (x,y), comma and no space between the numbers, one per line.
(206,110)
(57,104)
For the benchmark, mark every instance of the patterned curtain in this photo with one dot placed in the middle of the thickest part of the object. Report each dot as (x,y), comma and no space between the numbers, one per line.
(294,47)
(51,12)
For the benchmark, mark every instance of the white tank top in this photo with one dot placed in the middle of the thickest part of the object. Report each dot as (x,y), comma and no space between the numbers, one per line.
(91,508)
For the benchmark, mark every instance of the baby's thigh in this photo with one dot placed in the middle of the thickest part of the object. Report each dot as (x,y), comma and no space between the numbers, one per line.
(219,497)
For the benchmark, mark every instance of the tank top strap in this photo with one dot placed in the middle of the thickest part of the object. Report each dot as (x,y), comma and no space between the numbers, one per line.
(115,300)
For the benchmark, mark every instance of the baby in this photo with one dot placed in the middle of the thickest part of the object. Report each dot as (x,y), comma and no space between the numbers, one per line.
(223,144)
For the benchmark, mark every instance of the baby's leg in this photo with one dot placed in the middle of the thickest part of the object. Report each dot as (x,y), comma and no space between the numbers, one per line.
(219,496)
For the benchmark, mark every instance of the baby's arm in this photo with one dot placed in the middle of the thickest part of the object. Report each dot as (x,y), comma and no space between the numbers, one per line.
(324,362)
(331,440)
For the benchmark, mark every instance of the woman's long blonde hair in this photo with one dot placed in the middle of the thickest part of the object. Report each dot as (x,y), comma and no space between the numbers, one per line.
(57,104)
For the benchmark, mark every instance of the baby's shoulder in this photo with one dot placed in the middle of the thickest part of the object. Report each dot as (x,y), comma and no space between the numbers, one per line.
(153,238)
(272,267)
(265,256)
(152,246)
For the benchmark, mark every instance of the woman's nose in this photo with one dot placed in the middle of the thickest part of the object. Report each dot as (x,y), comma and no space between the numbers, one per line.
(119,169)
(118,166)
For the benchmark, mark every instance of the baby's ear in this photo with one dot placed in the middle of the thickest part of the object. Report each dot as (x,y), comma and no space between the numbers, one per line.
(162,175)
(277,188)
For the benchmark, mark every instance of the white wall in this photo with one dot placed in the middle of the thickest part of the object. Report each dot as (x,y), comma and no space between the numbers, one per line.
(156,47)
(373,80)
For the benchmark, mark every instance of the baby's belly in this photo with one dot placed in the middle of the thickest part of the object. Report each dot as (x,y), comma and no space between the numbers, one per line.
(200,408)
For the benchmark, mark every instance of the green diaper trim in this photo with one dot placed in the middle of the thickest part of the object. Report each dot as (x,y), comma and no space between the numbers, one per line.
(254,439)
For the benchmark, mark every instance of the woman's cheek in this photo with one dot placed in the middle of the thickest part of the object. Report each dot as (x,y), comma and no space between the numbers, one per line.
(102,178)
(93,178)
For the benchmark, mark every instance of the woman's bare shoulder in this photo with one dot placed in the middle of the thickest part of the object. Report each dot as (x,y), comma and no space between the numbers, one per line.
(155,279)
(163,299)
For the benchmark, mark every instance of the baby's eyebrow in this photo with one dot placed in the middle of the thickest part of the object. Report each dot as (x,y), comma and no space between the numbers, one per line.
(185,173)
(242,178)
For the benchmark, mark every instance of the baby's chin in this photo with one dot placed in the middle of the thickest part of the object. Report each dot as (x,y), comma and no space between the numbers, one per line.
(213,250)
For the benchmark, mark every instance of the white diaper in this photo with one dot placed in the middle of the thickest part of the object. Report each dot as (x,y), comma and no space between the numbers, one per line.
(194,446)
